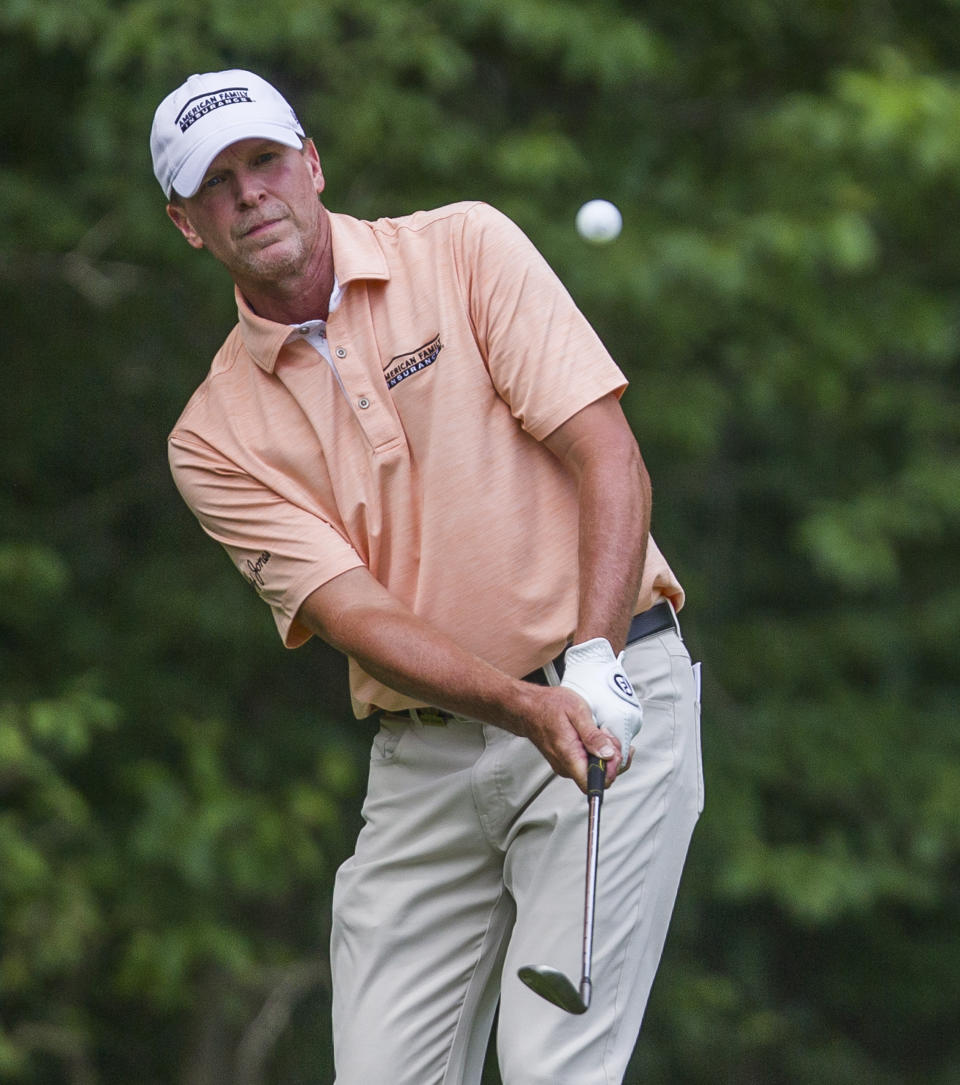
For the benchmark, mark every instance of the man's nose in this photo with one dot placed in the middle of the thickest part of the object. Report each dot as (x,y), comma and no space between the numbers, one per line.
(249,190)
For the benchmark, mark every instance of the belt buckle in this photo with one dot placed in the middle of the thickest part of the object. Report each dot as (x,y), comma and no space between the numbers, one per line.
(431,717)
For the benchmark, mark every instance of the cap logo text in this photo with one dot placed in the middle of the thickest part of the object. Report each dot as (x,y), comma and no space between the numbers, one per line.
(206,103)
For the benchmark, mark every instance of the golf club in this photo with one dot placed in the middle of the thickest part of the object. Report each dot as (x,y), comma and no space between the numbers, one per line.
(548,982)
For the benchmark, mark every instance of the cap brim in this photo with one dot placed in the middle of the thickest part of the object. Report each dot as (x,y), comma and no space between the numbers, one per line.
(187,180)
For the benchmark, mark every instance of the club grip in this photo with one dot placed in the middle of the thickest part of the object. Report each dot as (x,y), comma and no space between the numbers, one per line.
(596,775)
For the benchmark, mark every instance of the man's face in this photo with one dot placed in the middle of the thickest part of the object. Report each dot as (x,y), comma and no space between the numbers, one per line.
(257,210)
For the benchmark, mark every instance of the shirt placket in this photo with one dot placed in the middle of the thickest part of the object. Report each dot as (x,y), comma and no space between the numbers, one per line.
(368,397)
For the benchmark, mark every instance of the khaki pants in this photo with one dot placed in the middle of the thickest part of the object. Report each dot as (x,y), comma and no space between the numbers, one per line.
(471,864)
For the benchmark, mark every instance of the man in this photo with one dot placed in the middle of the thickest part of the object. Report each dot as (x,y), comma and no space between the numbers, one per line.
(411,445)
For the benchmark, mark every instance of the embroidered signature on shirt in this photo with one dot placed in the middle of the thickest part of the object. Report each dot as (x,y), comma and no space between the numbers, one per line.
(252,570)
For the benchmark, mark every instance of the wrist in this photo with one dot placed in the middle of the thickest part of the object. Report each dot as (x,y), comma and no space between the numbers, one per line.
(516,703)
(595,650)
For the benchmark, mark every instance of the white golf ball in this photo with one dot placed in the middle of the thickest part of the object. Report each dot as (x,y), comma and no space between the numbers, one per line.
(599,220)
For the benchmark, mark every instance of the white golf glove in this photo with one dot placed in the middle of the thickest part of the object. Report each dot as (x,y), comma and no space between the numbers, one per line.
(592,670)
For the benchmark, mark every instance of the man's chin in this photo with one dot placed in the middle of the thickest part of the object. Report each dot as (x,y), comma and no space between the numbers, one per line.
(274,259)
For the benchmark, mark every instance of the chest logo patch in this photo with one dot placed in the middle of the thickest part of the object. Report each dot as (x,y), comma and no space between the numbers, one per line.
(402,366)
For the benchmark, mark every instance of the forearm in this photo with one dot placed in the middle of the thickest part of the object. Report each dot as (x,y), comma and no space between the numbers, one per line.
(614,527)
(599,450)
(408,655)
(357,615)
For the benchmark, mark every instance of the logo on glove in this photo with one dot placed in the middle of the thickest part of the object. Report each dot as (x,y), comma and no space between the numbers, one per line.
(623,685)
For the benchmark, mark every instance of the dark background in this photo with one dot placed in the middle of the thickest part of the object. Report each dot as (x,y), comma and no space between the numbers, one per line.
(176,789)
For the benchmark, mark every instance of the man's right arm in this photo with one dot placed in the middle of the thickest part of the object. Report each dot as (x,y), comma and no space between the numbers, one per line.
(355,614)
(278,545)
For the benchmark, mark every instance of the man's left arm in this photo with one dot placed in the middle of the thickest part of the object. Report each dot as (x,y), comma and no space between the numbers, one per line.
(599,449)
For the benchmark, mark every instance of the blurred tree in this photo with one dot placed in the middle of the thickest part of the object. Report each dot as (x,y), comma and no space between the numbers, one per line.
(177,790)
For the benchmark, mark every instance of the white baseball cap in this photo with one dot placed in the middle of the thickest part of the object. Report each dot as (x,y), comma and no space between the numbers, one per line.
(209,112)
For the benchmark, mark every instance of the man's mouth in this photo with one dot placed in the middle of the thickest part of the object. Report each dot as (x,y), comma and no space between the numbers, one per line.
(260,227)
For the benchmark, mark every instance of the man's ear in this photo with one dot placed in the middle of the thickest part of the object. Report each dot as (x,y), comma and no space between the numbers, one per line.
(178,216)
(313,159)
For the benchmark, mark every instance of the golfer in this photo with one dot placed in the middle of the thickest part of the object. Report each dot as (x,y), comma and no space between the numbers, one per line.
(411,445)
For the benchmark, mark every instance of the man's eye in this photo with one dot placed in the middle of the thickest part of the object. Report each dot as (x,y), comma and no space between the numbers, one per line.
(212,182)
(267,156)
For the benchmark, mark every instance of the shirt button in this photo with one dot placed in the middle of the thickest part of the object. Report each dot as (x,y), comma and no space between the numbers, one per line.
(304,330)
(341,352)
(363,403)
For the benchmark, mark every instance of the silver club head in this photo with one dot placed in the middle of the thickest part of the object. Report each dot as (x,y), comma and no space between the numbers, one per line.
(553,985)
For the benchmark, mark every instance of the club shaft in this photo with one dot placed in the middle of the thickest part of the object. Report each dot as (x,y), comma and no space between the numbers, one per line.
(590,890)
(595,786)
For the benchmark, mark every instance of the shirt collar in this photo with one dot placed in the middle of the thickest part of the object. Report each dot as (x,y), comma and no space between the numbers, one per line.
(356,255)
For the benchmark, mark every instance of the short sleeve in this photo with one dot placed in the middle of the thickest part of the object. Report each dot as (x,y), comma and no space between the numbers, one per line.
(544,358)
(283,551)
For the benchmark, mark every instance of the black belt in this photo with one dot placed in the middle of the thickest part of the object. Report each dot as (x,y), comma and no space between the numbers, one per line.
(658,619)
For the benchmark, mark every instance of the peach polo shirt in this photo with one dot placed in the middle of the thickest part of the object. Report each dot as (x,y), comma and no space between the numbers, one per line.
(415,450)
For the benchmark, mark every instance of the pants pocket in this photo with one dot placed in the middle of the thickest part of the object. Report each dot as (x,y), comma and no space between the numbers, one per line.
(387,739)
(697,706)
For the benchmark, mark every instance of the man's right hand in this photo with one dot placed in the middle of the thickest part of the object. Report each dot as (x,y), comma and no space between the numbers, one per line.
(560,724)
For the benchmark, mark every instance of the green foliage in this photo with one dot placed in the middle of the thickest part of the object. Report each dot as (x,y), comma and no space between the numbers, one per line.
(177,790)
